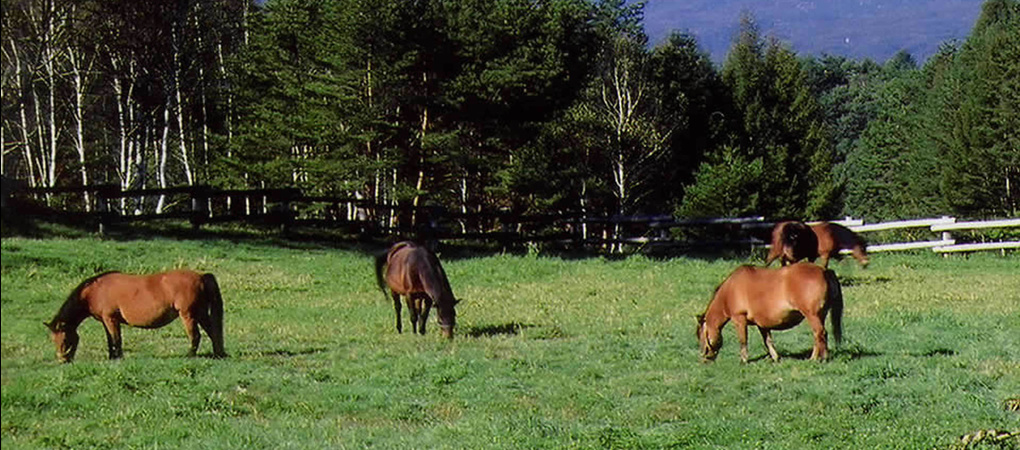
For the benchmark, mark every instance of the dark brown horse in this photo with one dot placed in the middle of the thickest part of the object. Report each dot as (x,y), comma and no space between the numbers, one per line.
(144,301)
(415,272)
(794,241)
(773,299)
(833,237)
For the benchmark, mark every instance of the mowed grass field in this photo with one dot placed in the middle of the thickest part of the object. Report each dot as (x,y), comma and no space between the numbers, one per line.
(549,353)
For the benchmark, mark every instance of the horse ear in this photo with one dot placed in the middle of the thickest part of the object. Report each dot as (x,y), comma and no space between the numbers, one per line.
(49,325)
(701,318)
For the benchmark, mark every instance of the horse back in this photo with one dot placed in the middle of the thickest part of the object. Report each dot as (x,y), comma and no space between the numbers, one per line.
(833,237)
(144,300)
(413,269)
(774,298)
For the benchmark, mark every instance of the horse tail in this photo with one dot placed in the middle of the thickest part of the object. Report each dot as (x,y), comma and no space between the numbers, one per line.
(834,299)
(214,299)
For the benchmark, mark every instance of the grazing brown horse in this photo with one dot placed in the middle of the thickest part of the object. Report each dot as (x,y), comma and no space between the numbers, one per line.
(415,272)
(772,299)
(144,301)
(794,241)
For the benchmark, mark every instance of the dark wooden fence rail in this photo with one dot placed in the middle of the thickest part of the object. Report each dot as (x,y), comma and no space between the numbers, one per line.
(290,208)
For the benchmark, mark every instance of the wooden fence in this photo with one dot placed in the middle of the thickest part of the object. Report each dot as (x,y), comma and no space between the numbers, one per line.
(946,243)
(290,208)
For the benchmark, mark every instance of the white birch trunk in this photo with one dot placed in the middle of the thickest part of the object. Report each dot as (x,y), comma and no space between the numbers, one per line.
(163,148)
(49,61)
(182,142)
(80,79)
(14,55)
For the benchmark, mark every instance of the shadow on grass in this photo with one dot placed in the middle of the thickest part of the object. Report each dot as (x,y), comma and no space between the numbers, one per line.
(851,281)
(288,353)
(505,329)
(528,331)
(849,352)
(937,352)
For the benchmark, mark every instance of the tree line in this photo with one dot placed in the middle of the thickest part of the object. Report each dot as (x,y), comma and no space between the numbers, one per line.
(517,106)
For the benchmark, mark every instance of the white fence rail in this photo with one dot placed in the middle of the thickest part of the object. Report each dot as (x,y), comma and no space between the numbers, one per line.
(944,225)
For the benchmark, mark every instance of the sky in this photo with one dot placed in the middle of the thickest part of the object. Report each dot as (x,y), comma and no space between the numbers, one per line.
(858,29)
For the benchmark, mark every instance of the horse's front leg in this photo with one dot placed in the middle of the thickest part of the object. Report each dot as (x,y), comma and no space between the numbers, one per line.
(414,304)
(740,322)
(821,349)
(426,305)
(113,339)
(396,308)
(191,327)
(766,336)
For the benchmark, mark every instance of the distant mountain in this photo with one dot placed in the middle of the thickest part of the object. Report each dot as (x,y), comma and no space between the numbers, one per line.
(875,29)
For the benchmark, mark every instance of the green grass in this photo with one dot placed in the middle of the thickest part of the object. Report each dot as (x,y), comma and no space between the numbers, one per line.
(550,353)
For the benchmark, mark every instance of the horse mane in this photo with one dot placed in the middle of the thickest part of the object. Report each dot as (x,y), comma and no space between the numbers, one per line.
(440,272)
(72,304)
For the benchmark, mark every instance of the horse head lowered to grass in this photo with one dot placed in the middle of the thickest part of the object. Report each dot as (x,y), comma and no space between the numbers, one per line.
(144,301)
(414,272)
(772,299)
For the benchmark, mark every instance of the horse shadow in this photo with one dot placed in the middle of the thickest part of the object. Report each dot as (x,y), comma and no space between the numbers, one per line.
(504,329)
(851,281)
(851,353)
(287,353)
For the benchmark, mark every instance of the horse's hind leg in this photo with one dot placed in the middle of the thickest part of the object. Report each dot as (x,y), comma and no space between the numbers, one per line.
(766,336)
(215,332)
(821,349)
(396,308)
(191,327)
(113,339)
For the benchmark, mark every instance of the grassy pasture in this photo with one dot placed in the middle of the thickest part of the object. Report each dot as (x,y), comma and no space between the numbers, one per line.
(550,353)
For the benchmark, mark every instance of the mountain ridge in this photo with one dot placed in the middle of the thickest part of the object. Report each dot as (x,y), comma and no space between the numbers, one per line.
(875,29)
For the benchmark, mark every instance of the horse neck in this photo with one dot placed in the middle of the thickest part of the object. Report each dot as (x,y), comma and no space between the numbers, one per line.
(717,314)
(72,312)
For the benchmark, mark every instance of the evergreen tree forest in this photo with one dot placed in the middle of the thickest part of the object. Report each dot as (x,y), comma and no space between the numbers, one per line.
(520,106)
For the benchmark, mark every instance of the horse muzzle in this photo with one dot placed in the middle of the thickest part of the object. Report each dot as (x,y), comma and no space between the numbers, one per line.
(447,331)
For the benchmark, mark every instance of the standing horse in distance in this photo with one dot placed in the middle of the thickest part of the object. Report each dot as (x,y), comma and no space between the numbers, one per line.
(415,272)
(772,299)
(794,241)
(144,301)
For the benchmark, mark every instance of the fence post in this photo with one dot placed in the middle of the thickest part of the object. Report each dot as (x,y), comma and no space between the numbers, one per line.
(199,206)
(946,236)
(286,214)
(103,195)
(101,210)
